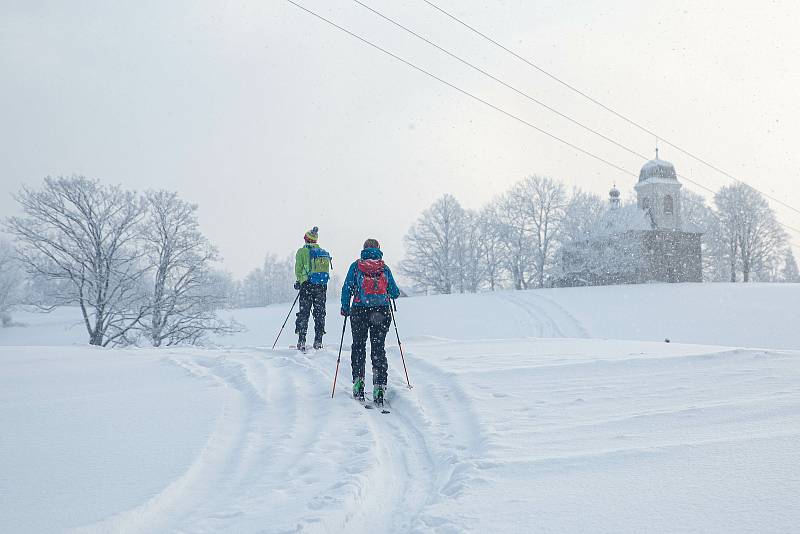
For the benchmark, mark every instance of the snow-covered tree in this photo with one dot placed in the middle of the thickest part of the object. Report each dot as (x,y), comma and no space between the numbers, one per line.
(223,286)
(254,289)
(579,227)
(530,216)
(581,216)
(183,299)
(272,282)
(432,247)
(492,247)
(750,230)
(83,234)
(515,225)
(470,254)
(11,279)
(790,272)
(697,215)
(548,201)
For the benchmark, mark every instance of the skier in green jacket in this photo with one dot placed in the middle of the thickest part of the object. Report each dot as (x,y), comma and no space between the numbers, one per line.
(311,269)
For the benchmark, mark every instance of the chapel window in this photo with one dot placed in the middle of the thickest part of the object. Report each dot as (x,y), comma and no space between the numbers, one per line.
(669,206)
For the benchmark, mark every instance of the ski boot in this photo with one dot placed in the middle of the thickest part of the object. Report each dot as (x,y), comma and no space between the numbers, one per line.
(317,342)
(378,392)
(358,389)
(301,343)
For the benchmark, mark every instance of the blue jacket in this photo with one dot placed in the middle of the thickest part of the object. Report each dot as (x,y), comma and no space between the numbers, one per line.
(349,287)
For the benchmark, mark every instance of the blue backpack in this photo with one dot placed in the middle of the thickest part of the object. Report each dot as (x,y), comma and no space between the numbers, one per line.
(320,266)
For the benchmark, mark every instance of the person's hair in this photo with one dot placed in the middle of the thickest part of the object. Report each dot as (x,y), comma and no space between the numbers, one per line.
(371,243)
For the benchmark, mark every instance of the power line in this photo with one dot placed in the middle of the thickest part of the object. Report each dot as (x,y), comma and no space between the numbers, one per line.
(486,103)
(529,97)
(498,80)
(462,91)
(607,108)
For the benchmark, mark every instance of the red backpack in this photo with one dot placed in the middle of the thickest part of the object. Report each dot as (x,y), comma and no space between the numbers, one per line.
(372,284)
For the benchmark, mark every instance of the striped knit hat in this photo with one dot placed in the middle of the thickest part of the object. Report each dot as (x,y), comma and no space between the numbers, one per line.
(312,235)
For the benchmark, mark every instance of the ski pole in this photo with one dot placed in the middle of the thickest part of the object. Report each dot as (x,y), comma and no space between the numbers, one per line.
(398,341)
(287,319)
(339,359)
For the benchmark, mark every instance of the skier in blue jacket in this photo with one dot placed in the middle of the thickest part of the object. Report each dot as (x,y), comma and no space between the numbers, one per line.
(370,285)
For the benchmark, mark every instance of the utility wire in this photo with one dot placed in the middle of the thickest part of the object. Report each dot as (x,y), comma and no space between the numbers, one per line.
(520,92)
(498,80)
(464,92)
(529,97)
(492,106)
(607,108)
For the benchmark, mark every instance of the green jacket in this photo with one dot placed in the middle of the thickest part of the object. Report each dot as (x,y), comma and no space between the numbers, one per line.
(302,262)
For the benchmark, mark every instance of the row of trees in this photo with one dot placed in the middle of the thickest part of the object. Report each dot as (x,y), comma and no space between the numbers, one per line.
(513,240)
(517,239)
(744,232)
(272,283)
(136,265)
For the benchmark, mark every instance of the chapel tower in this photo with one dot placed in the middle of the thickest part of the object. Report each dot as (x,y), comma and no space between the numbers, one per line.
(658,192)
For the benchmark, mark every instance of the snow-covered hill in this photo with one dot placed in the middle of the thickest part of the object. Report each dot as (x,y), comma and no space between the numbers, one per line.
(541,411)
(746,315)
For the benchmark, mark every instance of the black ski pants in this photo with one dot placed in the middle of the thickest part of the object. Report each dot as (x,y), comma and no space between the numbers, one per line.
(311,296)
(373,321)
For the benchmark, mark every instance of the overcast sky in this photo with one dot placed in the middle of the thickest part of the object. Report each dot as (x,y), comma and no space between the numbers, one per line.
(273,121)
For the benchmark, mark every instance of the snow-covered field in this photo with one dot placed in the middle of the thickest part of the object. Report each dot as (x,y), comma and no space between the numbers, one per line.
(540,411)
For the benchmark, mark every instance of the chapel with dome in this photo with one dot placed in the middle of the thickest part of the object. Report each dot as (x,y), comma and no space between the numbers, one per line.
(642,242)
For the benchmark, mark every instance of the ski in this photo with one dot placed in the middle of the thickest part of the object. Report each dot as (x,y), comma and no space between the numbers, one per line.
(370,405)
(363,402)
(375,407)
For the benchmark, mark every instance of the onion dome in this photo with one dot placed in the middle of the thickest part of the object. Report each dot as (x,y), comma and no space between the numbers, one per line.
(658,169)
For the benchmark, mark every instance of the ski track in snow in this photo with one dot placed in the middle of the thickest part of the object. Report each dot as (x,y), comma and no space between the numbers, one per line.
(281,443)
(278,441)
(547,315)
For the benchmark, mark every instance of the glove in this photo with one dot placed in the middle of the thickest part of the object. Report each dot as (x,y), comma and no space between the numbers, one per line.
(297,285)
(344,312)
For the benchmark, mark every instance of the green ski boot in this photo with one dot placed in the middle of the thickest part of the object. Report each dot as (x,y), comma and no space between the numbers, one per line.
(377,395)
(358,389)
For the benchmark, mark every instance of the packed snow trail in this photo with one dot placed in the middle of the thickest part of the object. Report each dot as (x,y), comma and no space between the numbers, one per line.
(506,435)
(523,434)
(279,441)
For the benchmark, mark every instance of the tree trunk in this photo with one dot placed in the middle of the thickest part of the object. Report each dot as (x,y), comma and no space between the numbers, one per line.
(96,339)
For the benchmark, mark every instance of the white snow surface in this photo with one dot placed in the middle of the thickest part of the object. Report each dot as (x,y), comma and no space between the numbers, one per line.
(538,411)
